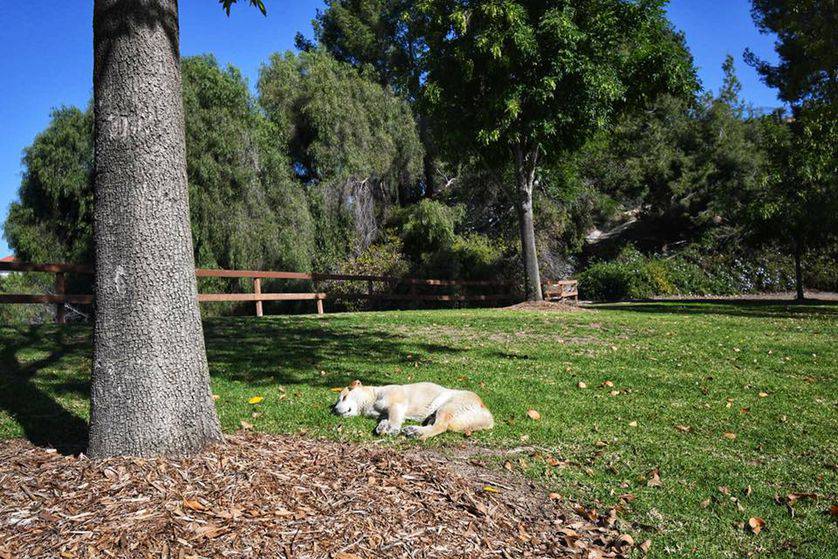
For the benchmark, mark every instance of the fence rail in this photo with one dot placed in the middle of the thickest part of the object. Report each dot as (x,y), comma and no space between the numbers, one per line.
(60,297)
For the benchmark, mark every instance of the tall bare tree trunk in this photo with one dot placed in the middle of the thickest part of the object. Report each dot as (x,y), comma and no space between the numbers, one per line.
(798,270)
(525,165)
(150,393)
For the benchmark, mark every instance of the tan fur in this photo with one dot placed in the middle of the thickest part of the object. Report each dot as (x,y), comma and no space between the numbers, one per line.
(460,411)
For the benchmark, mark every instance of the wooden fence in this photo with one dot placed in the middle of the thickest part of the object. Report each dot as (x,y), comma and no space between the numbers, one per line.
(505,290)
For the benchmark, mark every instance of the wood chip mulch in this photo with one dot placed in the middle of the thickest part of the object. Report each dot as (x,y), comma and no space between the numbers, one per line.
(282,497)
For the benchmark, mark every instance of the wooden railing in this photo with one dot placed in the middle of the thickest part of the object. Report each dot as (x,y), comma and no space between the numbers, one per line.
(60,297)
(561,290)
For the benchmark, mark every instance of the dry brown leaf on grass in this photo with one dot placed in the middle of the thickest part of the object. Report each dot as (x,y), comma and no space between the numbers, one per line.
(247,426)
(729,436)
(654,478)
(756,524)
(581,384)
(684,428)
(534,415)
(608,384)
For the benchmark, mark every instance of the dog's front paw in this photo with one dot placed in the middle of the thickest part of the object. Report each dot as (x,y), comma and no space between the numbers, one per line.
(383,427)
(412,431)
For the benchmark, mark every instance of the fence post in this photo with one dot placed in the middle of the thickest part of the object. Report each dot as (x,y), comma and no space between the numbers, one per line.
(319,304)
(59,290)
(257,289)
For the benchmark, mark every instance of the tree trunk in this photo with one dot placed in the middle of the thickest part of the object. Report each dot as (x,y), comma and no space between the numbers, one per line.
(525,164)
(798,270)
(150,392)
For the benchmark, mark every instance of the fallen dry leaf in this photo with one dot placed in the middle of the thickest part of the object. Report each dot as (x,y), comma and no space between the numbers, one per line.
(554,497)
(729,436)
(608,384)
(614,393)
(534,415)
(632,424)
(193,504)
(625,541)
(215,397)
(654,478)
(705,503)
(344,555)
(246,425)
(581,384)
(756,524)
(833,510)
(763,394)
(684,428)
(646,546)
(255,400)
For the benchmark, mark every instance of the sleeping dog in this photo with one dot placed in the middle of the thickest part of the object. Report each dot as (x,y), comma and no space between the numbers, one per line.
(439,409)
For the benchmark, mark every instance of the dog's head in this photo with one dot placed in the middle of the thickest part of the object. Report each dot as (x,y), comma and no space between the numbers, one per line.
(349,400)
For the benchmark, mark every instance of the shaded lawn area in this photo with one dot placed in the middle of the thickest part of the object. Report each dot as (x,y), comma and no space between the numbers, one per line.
(683,374)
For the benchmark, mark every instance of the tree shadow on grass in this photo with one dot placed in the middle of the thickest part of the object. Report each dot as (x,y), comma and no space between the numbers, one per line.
(284,352)
(239,349)
(45,422)
(757,308)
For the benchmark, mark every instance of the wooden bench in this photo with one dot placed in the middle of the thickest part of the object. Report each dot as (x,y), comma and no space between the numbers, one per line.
(561,290)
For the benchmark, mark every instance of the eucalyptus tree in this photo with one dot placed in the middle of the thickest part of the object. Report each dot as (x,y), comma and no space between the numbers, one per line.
(150,391)
(524,82)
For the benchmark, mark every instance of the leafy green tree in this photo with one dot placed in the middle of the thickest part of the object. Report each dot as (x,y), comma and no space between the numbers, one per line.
(529,82)
(798,202)
(52,221)
(683,166)
(351,141)
(247,211)
(806,45)
(387,36)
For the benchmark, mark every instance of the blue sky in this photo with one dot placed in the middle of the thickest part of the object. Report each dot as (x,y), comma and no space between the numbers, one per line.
(48,56)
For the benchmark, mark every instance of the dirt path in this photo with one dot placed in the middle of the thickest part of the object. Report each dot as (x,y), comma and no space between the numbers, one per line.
(270,496)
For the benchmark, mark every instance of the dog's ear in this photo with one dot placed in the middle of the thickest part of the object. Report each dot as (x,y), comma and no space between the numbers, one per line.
(355,384)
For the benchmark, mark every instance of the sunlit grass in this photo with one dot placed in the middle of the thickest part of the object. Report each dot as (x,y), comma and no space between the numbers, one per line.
(683,375)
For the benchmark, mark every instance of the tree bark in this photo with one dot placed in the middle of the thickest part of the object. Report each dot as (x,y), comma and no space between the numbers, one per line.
(798,271)
(525,165)
(150,392)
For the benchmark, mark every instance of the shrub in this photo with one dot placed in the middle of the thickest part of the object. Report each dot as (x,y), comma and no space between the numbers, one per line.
(426,227)
(635,276)
(381,259)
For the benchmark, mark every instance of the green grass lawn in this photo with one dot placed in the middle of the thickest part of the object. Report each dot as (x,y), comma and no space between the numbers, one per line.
(683,374)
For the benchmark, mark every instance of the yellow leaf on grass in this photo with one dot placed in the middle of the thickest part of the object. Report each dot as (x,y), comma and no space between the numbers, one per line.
(534,415)
(255,400)
(336,389)
(215,397)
